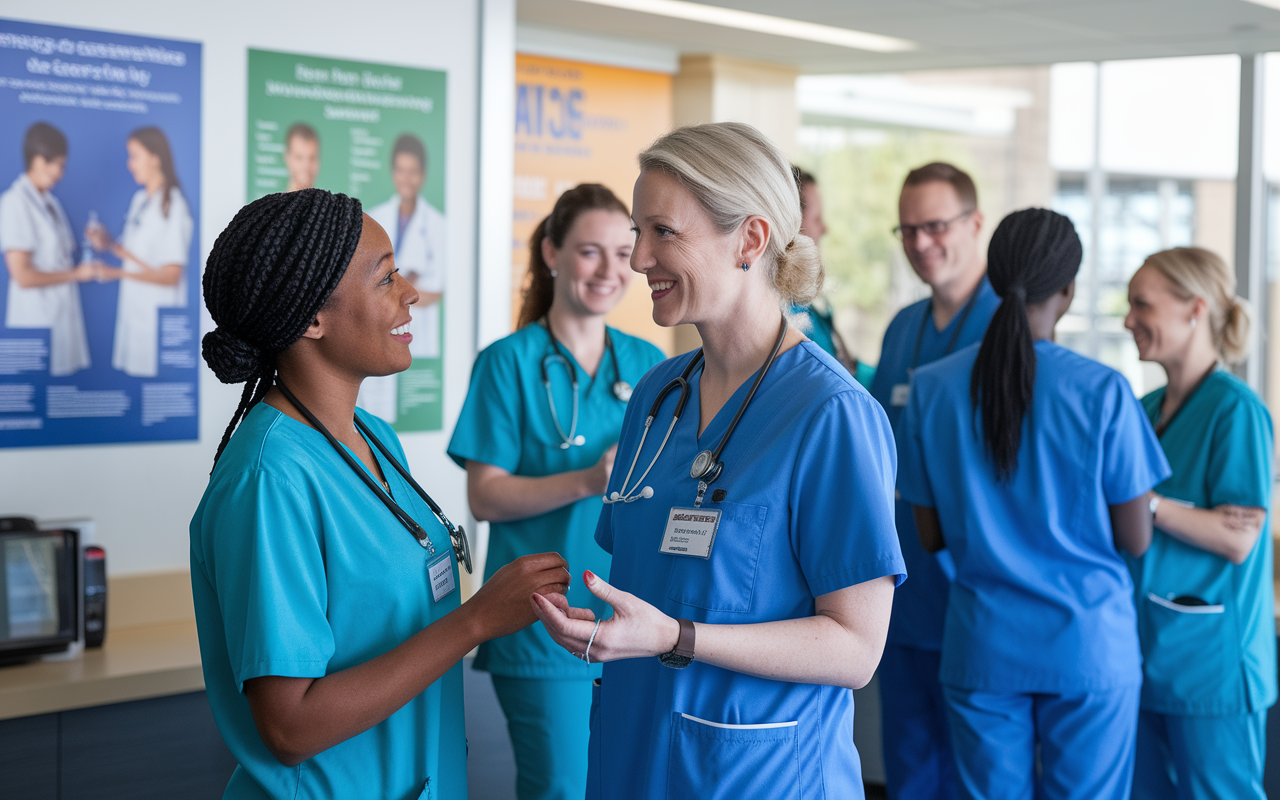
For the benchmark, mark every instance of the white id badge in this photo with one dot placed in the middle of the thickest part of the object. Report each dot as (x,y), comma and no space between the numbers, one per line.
(441,574)
(901,392)
(690,532)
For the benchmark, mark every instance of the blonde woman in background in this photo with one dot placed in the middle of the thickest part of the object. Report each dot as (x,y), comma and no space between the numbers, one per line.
(1204,588)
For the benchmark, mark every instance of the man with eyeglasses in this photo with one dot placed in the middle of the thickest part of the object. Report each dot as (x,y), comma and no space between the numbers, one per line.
(939,225)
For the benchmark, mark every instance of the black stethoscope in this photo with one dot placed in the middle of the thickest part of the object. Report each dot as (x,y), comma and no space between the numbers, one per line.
(955,335)
(707,466)
(457,535)
(621,389)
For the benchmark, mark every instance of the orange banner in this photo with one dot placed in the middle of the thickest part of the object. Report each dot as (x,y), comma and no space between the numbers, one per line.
(584,123)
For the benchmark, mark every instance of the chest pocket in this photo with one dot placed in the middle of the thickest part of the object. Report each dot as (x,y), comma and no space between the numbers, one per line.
(727,580)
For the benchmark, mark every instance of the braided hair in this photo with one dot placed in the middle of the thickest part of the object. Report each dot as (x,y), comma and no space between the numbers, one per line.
(268,275)
(1034,254)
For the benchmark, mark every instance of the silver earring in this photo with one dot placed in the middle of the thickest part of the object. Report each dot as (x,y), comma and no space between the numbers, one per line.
(1193,323)
(745,266)
(553,273)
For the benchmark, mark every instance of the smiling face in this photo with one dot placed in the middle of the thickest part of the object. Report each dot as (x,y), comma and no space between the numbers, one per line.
(143,165)
(950,256)
(302,160)
(689,265)
(364,327)
(408,176)
(593,265)
(46,174)
(1159,319)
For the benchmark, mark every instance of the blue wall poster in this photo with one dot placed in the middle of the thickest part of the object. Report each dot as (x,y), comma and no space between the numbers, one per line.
(99,221)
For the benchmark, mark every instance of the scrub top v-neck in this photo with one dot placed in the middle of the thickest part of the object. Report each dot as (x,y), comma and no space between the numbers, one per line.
(299,570)
(805,502)
(1222,662)
(506,422)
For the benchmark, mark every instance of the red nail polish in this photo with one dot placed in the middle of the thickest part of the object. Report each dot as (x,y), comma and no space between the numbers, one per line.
(588,576)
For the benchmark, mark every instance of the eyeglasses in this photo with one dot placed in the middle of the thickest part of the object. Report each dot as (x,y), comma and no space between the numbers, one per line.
(934,228)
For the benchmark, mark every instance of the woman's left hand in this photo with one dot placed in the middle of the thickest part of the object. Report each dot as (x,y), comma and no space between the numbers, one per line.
(636,629)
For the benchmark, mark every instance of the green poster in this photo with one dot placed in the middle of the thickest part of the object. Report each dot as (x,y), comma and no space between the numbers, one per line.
(376,132)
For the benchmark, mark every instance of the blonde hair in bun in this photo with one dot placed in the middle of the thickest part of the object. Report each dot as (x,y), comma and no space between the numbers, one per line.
(1196,272)
(735,172)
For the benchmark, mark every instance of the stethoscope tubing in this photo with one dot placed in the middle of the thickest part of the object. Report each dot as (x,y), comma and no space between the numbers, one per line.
(620,387)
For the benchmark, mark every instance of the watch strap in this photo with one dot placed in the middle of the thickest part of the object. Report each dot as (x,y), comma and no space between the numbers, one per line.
(685,644)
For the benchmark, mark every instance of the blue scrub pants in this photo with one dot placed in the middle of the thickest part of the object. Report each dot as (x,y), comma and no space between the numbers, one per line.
(918,764)
(1086,744)
(549,723)
(1198,758)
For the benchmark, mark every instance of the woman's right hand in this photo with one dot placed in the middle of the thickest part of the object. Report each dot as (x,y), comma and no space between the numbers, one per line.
(501,605)
(598,473)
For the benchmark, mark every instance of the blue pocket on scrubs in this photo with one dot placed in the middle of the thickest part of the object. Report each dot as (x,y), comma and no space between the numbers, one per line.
(1192,654)
(712,760)
(725,581)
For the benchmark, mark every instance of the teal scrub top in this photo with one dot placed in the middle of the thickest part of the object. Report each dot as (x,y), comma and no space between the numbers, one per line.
(806,505)
(1042,601)
(1223,662)
(821,325)
(507,422)
(298,570)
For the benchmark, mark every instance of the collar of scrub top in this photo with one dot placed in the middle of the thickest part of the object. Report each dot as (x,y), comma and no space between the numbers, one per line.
(707,466)
(44,202)
(621,389)
(457,535)
(1161,427)
(955,335)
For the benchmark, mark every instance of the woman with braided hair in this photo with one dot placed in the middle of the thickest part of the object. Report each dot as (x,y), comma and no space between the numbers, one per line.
(1031,464)
(324,578)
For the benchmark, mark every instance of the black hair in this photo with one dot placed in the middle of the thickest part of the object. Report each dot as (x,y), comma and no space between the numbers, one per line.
(410,145)
(1034,254)
(575,202)
(42,140)
(156,143)
(268,275)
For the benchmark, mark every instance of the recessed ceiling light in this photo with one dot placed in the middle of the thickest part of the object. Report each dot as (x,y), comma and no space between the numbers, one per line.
(1267,3)
(764,23)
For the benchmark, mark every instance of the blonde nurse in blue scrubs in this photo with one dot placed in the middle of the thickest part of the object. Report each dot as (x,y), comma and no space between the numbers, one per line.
(1204,588)
(153,250)
(39,253)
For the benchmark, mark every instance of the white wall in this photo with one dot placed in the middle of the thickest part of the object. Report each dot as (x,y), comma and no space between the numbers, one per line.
(143,495)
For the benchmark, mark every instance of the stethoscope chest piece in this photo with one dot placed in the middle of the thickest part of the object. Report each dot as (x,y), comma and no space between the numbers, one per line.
(705,467)
(622,391)
(577,441)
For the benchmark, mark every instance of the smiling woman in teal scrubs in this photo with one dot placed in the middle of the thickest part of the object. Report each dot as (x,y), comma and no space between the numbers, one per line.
(1204,589)
(1031,464)
(325,584)
(751,585)
(537,436)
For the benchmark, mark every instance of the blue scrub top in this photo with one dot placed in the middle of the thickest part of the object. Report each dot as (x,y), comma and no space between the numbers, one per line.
(808,481)
(920,606)
(1220,447)
(506,422)
(298,570)
(821,325)
(1041,601)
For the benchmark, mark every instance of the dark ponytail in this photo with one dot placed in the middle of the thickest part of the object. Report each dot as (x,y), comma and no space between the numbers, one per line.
(539,288)
(1034,254)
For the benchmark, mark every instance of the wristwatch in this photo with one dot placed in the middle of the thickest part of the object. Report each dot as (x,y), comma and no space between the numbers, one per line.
(681,655)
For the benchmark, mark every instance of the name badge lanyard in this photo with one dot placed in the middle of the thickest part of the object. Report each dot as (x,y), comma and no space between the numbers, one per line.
(955,335)
(457,535)
(707,466)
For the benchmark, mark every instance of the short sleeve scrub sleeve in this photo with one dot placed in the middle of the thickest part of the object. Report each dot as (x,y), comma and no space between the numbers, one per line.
(298,570)
(1223,662)
(806,504)
(506,421)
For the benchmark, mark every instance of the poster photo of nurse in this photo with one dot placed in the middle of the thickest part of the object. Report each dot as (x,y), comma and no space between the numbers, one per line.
(153,251)
(38,248)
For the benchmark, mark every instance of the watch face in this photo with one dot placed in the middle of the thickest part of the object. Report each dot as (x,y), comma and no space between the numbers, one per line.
(675,661)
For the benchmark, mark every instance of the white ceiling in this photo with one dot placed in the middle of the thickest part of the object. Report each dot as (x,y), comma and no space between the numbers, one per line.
(948,33)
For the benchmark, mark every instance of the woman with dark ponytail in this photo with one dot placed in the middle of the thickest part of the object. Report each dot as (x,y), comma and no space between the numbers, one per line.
(324,578)
(1031,464)
(537,436)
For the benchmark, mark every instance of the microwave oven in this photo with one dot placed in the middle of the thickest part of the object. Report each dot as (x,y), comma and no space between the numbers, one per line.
(40,590)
